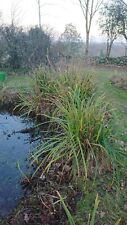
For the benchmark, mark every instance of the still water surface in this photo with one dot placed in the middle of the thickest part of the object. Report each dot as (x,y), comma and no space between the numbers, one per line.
(14,146)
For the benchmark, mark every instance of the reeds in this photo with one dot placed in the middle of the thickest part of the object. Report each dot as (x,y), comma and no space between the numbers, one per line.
(81,127)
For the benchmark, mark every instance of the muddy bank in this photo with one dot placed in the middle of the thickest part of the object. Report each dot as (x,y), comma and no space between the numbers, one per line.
(8,99)
(42,205)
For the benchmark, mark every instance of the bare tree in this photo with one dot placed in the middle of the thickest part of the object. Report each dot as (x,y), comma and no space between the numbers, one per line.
(16,13)
(39,12)
(89,9)
(125,3)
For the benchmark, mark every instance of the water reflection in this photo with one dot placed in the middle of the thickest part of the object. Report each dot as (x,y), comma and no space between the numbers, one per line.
(14,146)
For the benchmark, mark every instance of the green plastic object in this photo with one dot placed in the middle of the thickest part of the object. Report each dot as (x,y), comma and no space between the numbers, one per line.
(2,76)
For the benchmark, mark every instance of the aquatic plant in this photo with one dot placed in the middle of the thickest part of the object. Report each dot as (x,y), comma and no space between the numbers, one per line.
(39,100)
(48,87)
(81,128)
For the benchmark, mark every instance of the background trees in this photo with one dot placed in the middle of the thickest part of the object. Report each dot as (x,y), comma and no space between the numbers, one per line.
(27,48)
(108,25)
(70,40)
(70,34)
(24,48)
(120,12)
(12,36)
(38,46)
(113,22)
(89,9)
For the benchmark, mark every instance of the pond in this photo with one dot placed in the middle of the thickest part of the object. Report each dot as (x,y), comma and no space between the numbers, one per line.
(15,146)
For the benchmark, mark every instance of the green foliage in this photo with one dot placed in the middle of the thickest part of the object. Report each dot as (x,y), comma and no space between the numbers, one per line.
(114,19)
(22,48)
(70,41)
(81,124)
(70,80)
(70,34)
(108,24)
(101,54)
(81,129)
(119,61)
(47,86)
(120,12)
(41,96)
(112,204)
(118,222)
(45,82)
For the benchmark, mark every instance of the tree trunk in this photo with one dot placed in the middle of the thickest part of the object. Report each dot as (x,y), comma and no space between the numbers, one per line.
(39,12)
(107,51)
(109,47)
(87,44)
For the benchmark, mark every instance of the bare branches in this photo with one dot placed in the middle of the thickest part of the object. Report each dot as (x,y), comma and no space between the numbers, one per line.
(89,9)
(82,8)
(16,13)
(90,5)
(124,2)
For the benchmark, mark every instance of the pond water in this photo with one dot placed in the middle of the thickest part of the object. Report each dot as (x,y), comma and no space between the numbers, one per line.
(14,147)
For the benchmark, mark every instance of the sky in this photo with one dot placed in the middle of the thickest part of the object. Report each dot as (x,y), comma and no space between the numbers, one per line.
(54,13)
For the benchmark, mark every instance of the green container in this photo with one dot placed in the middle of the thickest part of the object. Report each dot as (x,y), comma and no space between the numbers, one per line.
(2,76)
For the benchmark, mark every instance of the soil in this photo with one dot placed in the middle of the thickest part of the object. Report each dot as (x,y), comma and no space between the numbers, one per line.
(8,99)
(41,203)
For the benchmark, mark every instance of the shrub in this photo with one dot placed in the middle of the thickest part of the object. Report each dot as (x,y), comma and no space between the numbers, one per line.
(119,61)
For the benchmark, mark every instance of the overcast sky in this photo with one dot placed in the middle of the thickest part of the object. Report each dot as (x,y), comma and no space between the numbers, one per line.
(55,14)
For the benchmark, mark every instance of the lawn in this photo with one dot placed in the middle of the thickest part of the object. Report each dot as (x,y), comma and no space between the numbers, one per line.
(115,96)
(112,208)
(18,82)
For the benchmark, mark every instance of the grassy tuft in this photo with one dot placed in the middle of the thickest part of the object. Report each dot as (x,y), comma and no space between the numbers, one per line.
(81,129)
(48,87)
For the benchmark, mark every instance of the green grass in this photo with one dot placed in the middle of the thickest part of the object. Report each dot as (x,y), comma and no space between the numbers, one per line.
(18,82)
(71,219)
(112,194)
(115,96)
(117,99)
